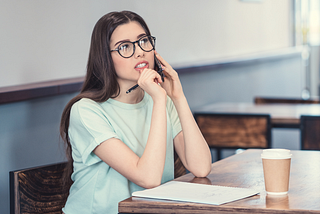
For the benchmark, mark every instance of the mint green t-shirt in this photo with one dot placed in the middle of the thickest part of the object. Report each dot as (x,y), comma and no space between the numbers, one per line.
(97,187)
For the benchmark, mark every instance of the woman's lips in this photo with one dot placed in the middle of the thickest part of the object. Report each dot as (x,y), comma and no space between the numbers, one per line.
(141,65)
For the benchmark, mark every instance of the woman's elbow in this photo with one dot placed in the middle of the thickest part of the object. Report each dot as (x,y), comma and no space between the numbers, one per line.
(150,183)
(202,172)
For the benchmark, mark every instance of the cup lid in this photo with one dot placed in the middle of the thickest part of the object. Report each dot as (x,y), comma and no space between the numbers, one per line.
(276,154)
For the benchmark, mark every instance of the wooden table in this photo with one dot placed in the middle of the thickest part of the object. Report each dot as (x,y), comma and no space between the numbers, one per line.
(282,115)
(245,170)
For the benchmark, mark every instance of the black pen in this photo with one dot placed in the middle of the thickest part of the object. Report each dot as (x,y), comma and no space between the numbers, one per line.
(132,88)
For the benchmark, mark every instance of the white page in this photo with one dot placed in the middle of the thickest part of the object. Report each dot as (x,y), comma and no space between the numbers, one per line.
(193,192)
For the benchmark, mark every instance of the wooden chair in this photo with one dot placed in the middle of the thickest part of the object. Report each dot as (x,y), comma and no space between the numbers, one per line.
(310,132)
(179,168)
(38,189)
(271,100)
(235,131)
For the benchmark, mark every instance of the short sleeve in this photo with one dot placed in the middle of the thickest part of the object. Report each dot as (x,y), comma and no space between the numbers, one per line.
(174,118)
(88,128)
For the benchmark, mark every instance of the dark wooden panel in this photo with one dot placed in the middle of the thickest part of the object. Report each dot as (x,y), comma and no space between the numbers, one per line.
(42,89)
(179,168)
(38,190)
(310,132)
(234,131)
(292,100)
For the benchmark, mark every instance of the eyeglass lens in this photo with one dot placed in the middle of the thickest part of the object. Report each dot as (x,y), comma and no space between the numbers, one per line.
(127,49)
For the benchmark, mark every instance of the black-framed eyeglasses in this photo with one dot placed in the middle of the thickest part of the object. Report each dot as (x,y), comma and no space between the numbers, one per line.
(127,49)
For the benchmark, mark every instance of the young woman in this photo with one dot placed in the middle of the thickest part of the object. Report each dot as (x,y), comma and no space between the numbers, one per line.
(122,142)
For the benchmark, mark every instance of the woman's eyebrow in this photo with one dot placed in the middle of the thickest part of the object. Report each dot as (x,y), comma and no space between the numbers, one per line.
(141,35)
(127,40)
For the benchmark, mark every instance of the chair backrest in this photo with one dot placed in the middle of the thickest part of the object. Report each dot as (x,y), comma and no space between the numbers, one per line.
(38,189)
(310,132)
(235,130)
(179,168)
(270,100)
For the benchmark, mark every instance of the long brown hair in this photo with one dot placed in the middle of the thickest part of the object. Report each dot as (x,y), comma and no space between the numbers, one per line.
(101,79)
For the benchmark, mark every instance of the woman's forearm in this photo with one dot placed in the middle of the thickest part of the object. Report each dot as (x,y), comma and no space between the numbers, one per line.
(152,161)
(195,148)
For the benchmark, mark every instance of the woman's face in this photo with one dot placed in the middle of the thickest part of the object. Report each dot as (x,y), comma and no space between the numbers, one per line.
(128,69)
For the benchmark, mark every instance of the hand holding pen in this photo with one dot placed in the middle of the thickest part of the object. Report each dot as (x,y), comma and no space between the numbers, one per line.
(159,72)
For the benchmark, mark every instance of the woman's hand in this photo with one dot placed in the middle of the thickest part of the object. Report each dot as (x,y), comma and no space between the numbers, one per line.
(149,81)
(189,144)
(172,83)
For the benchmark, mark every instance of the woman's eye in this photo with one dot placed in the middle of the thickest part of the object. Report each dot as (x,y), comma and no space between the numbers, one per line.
(124,47)
(144,41)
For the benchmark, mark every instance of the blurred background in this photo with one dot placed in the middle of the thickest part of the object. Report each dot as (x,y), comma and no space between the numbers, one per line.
(230,50)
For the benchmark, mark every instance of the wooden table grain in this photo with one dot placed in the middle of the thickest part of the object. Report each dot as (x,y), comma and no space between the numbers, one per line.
(282,115)
(245,170)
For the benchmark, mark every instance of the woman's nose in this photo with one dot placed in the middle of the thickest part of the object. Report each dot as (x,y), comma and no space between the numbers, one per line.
(138,51)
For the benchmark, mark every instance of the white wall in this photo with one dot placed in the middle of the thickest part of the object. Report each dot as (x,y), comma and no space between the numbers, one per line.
(44,40)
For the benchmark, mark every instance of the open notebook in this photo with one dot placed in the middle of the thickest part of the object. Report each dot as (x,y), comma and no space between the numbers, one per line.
(193,192)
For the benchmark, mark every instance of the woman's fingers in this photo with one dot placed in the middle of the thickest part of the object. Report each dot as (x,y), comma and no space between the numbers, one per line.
(149,81)
(149,76)
(172,83)
(161,60)
(167,69)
